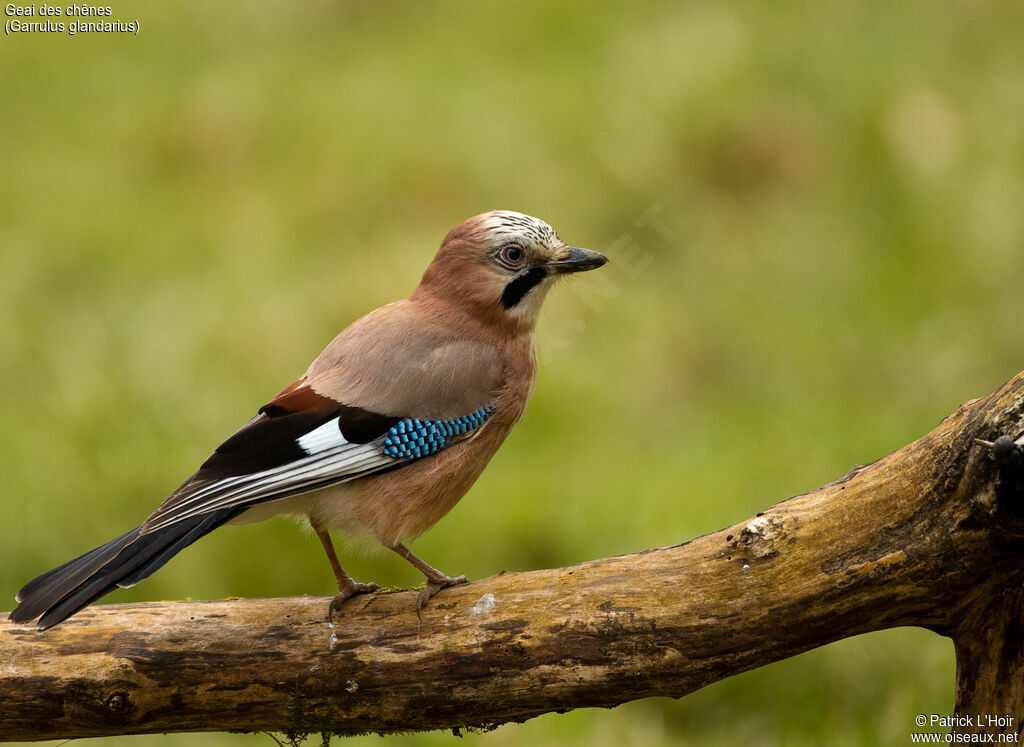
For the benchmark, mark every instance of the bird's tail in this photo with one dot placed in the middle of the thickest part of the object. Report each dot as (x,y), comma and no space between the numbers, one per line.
(122,562)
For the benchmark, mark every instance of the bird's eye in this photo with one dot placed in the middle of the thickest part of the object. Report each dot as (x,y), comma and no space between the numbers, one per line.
(512,254)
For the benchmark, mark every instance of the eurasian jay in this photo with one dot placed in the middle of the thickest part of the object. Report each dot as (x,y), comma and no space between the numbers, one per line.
(383,434)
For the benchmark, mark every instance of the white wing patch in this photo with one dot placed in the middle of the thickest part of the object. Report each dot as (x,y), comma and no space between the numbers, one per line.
(327,436)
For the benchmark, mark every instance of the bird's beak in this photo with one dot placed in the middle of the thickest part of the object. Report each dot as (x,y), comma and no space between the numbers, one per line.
(577,260)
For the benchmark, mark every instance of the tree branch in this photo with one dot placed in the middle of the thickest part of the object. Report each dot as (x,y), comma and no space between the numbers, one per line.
(931,535)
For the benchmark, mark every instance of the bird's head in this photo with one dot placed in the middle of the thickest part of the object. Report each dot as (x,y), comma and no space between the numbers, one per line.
(498,266)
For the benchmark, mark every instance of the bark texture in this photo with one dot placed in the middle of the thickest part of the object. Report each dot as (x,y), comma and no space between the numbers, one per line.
(932,535)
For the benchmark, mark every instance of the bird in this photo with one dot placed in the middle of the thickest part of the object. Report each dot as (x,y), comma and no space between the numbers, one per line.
(382,435)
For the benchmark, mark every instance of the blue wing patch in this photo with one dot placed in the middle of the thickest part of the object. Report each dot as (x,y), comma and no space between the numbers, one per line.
(413,439)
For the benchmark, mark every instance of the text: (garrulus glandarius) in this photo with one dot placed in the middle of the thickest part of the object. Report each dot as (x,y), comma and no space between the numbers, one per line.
(383,434)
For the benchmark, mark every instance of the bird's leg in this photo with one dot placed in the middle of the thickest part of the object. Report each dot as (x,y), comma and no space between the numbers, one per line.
(347,587)
(435,579)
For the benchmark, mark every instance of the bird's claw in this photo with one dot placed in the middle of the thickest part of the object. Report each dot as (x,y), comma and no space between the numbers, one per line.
(435,585)
(343,596)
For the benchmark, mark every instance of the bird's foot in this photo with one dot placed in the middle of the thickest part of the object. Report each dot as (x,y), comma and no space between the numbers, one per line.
(434,585)
(347,593)
(435,579)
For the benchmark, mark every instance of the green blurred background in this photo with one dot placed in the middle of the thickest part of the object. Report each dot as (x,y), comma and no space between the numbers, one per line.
(814,212)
